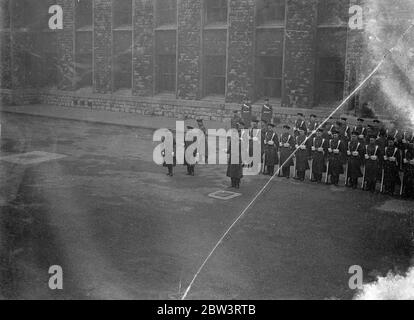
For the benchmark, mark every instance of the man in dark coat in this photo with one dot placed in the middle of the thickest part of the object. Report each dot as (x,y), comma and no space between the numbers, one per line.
(302,155)
(319,150)
(235,166)
(355,155)
(391,164)
(337,152)
(287,144)
(373,161)
(271,150)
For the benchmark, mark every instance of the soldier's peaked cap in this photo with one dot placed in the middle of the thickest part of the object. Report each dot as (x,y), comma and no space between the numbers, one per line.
(300,114)
(286,126)
(360,120)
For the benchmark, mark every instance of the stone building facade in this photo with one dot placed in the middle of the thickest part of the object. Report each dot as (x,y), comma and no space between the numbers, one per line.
(194,58)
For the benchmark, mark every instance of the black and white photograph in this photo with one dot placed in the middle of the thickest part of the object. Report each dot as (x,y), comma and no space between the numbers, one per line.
(225,151)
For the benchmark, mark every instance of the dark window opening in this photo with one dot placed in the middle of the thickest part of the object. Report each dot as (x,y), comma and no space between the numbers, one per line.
(215,75)
(122,13)
(83,60)
(31,15)
(166,12)
(330,75)
(269,76)
(166,73)
(216,11)
(32,68)
(332,12)
(270,11)
(83,14)
(122,67)
(48,55)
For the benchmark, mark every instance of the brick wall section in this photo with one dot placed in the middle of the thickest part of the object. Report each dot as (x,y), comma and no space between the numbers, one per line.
(65,49)
(103,46)
(240,77)
(5,45)
(189,49)
(143,61)
(5,58)
(300,53)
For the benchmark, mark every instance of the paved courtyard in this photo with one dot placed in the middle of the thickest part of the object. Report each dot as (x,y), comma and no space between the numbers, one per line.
(89,198)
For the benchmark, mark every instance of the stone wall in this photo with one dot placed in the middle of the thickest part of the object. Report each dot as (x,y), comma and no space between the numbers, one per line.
(299,65)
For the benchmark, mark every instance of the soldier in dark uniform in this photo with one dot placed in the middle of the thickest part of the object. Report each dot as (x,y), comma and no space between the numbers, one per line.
(393,132)
(408,169)
(264,128)
(376,127)
(337,152)
(382,140)
(254,136)
(271,143)
(392,161)
(300,124)
(187,144)
(287,143)
(313,124)
(361,130)
(235,120)
(355,154)
(246,111)
(267,111)
(201,126)
(345,131)
(405,140)
(330,126)
(319,151)
(373,162)
(327,133)
(235,166)
(302,155)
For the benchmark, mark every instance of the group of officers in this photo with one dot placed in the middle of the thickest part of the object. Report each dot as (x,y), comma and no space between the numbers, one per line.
(365,154)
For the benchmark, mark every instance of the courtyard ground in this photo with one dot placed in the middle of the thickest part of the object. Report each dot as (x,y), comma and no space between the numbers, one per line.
(91,200)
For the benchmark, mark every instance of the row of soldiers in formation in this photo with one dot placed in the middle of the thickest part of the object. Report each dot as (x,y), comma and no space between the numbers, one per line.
(372,153)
